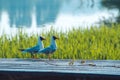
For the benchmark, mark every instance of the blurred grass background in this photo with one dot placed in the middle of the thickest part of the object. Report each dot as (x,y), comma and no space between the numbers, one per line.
(96,43)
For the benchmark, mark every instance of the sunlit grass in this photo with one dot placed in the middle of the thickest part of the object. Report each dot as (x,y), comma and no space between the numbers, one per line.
(94,43)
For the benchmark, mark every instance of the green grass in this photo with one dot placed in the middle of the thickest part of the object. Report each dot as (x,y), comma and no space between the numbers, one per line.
(94,43)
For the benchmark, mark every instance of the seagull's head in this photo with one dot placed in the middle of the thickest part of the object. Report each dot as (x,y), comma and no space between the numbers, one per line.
(54,37)
(42,38)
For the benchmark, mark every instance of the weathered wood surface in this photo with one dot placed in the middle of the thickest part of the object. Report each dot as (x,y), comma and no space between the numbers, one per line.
(16,69)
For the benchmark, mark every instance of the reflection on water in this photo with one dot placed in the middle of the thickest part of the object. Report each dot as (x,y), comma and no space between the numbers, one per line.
(20,13)
(62,14)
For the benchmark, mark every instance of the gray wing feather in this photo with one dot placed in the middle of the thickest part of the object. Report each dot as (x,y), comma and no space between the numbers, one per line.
(45,50)
(32,49)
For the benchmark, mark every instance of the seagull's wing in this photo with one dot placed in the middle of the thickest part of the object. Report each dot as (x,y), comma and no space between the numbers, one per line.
(46,50)
(32,49)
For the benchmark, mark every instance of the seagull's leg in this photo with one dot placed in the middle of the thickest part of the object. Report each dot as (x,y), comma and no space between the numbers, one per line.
(35,56)
(32,55)
(49,56)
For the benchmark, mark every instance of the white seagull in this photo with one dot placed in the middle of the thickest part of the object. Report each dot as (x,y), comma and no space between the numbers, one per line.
(33,50)
(50,49)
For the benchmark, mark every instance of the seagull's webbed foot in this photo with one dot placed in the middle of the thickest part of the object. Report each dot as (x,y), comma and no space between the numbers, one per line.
(82,61)
(71,63)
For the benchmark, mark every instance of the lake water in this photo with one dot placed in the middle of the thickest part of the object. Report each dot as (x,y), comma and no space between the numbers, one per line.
(36,16)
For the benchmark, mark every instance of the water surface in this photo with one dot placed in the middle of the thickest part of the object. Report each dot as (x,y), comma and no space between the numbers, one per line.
(36,16)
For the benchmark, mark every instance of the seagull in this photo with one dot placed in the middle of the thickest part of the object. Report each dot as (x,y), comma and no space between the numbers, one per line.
(50,49)
(33,50)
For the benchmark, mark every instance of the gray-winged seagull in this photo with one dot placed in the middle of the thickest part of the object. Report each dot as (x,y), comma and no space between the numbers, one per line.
(50,49)
(33,50)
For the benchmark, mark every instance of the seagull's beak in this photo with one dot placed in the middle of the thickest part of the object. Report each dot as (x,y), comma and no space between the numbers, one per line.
(55,37)
(42,38)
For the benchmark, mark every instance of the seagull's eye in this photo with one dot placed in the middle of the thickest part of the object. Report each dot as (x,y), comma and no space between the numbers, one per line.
(41,38)
(53,37)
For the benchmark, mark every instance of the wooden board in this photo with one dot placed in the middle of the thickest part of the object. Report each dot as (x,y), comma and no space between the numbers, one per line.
(41,68)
